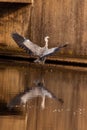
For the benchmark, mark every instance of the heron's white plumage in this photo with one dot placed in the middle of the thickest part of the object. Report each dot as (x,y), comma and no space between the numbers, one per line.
(31,48)
(49,52)
(38,91)
(35,49)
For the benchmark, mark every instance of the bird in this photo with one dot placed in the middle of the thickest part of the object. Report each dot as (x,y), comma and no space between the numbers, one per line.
(33,49)
(37,91)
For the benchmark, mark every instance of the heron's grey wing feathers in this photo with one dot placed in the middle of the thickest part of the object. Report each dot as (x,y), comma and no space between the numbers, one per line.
(26,44)
(35,49)
(18,99)
(51,95)
(20,40)
(49,52)
(52,50)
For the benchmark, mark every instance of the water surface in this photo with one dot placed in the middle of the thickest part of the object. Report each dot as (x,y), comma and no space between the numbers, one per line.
(68,83)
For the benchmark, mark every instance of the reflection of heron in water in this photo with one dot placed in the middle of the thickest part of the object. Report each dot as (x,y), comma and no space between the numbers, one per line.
(38,91)
(31,48)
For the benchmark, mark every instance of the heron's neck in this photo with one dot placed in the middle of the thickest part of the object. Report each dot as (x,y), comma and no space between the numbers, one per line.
(46,44)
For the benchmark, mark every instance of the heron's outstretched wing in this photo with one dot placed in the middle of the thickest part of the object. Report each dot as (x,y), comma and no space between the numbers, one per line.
(52,51)
(47,92)
(26,44)
(20,98)
(16,101)
(51,95)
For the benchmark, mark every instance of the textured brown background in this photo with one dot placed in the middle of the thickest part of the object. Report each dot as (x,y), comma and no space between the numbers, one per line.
(67,83)
(63,20)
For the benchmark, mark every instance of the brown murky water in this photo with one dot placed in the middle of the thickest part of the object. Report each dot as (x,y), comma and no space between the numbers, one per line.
(68,83)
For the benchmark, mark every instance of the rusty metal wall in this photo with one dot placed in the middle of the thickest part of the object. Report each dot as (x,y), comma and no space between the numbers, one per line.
(14,17)
(63,20)
(17,1)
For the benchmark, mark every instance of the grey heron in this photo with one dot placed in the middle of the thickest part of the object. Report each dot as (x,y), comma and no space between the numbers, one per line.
(34,49)
(38,91)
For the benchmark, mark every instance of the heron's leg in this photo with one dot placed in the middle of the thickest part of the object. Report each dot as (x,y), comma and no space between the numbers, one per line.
(27,115)
(42,60)
(37,60)
(43,102)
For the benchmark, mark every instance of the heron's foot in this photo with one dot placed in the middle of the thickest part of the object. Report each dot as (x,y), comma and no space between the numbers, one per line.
(40,60)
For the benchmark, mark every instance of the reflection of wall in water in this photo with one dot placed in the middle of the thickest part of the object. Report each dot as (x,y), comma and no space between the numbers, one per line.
(69,84)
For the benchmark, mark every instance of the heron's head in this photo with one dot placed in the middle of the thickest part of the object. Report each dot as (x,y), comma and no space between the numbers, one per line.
(39,83)
(46,38)
(46,41)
